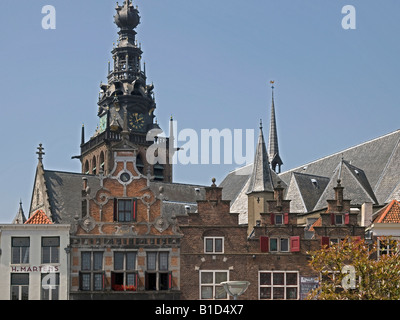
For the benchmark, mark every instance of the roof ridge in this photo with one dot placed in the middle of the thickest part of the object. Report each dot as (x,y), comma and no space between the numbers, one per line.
(310,175)
(372,197)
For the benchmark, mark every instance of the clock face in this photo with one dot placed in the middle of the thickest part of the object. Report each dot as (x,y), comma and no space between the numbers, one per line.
(136,121)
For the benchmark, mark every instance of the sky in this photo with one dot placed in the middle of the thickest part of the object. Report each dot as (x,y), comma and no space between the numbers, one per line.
(211,63)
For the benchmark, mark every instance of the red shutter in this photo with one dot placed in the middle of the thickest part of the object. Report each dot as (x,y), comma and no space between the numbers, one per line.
(112,280)
(115,209)
(356,239)
(134,209)
(347,218)
(295,244)
(286,218)
(325,242)
(272,219)
(264,244)
(170,281)
(332,218)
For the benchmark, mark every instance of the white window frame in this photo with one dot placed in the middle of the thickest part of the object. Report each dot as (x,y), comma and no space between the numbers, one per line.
(383,251)
(213,284)
(213,245)
(335,241)
(284,285)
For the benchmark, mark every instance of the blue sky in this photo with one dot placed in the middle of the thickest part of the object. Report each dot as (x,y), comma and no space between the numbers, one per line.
(211,63)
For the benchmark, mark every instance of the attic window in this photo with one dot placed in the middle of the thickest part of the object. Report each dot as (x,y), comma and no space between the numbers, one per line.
(315,183)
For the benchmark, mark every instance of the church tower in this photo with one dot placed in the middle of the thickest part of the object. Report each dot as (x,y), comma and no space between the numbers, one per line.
(126,107)
(261,184)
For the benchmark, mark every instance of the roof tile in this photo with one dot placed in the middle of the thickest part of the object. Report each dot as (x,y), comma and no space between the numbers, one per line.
(39,217)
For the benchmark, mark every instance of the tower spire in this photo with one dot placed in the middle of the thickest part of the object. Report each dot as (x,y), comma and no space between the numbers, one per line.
(273,147)
(20,217)
(261,178)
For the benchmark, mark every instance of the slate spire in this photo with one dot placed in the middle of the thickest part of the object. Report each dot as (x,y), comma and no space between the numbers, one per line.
(261,177)
(273,148)
(20,217)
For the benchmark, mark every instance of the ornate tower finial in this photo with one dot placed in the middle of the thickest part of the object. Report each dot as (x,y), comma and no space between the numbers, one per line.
(40,153)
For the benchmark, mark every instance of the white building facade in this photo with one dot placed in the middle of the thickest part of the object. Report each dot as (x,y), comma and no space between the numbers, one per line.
(34,262)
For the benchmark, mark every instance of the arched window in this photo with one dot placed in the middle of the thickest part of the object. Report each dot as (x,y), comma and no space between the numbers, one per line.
(102,161)
(86,167)
(139,164)
(94,165)
(158,172)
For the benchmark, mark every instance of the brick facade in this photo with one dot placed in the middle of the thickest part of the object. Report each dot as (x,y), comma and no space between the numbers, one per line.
(123,248)
(273,258)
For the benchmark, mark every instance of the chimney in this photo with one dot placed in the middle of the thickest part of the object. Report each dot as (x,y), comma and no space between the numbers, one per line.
(213,192)
(278,195)
(339,195)
(366,214)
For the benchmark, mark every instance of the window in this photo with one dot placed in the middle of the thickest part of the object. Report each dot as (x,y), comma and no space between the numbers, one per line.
(86,168)
(139,164)
(20,250)
(210,287)
(278,285)
(158,276)
(214,245)
(102,161)
(338,219)
(279,244)
(158,172)
(84,208)
(279,218)
(50,286)
(94,165)
(92,274)
(19,286)
(124,277)
(336,241)
(50,250)
(388,246)
(125,210)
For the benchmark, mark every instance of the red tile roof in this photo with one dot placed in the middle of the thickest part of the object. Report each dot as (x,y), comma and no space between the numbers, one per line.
(39,217)
(389,214)
(317,223)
